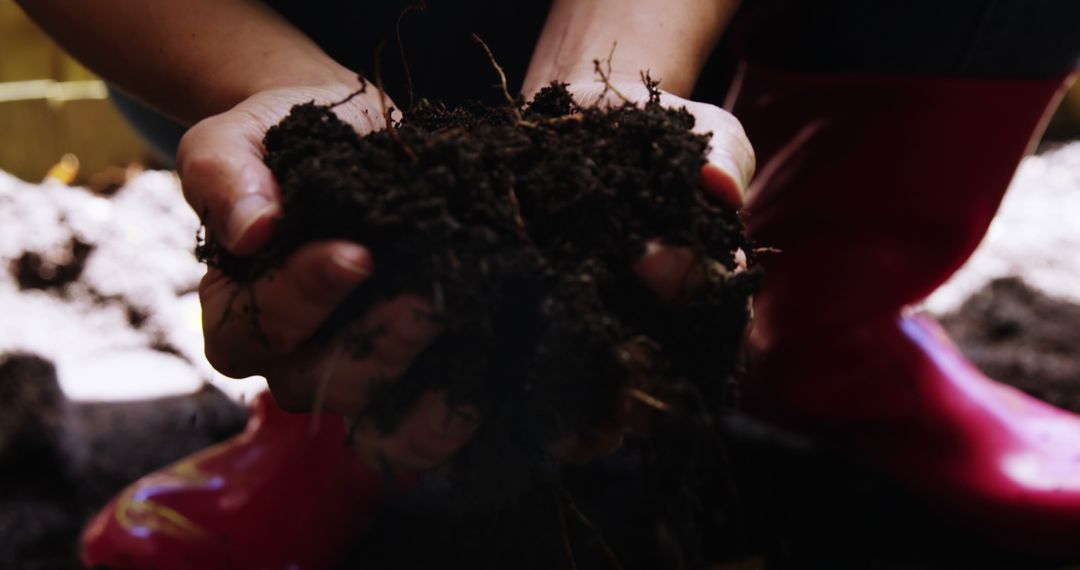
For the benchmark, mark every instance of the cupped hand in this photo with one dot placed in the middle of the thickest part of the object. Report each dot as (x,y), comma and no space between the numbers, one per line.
(730,166)
(666,271)
(265,328)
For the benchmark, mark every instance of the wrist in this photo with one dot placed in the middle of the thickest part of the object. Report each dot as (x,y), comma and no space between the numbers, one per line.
(584,73)
(241,49)
(671,40)
(327,75)
(622,68)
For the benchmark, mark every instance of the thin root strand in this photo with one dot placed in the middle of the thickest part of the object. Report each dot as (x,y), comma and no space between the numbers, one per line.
(605,77)
(360,91)
(502,78)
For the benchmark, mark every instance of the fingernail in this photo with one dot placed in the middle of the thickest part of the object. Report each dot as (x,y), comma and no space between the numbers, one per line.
(724,163)
(415,326)
(740,260)
(348,265)
(245,212)
(721,185)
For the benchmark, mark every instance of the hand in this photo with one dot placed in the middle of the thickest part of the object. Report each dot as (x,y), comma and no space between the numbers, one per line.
(225,181)
(673,39)
(725,176)
(668,272)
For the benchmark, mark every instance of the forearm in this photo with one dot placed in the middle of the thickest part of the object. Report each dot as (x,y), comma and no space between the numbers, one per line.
(188,58)
(670,38)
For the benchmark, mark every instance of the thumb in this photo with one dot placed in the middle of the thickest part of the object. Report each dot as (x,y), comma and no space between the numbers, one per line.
(225,181)
(731,161)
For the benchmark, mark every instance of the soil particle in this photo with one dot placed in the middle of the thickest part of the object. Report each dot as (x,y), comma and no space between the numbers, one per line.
(52,270)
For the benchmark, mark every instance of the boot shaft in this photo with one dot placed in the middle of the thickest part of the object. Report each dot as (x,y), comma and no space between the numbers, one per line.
(874,189)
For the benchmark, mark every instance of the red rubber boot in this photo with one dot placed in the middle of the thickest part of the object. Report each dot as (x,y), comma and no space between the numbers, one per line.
(287,494)
(875,189)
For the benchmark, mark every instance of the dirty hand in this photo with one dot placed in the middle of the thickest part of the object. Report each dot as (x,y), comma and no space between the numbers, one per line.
(725,176)
(674,39)
(225,181)
(667,271)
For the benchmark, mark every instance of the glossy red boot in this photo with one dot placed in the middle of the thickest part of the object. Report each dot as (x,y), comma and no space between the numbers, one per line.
(287,494)
(875,189)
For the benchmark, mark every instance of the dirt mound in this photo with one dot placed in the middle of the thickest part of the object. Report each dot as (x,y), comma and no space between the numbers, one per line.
(1020,336)
(61,461)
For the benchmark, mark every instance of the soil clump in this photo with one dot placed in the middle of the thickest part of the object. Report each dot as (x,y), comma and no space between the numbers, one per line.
(522,224)
(54,270)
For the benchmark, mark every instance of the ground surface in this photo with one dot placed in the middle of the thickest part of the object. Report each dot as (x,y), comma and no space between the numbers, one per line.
(121,320)
(126,327)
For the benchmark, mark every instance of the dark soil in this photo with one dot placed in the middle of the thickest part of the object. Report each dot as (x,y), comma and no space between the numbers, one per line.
(1022,337)
(54,270)
(61,461)
(522,225)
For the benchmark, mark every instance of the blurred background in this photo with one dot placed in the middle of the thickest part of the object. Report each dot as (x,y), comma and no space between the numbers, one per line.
(96,238)
(51,106)
(102,373)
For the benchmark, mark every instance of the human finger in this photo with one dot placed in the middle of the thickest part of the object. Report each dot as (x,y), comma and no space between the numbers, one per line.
(635,409)
(379,348)
(226,182)
(220,159)
(668,271)
(731,161)
(428,436)
(246,325)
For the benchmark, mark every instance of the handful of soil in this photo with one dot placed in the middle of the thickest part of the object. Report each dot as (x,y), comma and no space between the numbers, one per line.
(522,224)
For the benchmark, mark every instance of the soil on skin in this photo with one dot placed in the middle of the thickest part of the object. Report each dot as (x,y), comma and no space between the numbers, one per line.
(54,270)
(522,225)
